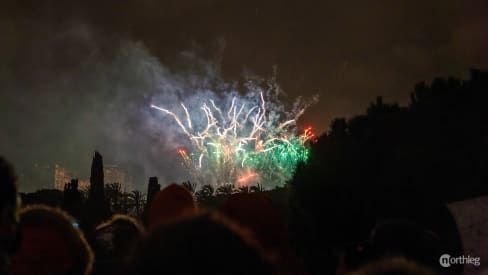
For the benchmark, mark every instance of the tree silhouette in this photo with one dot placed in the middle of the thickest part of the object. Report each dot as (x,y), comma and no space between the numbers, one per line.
(115,197)
(392,162)
(191,187)
(72,199)
(257,188)
(136,201)
(243,189)
(84,192)
(51,197)
(206,192)
(225,190)
(97,208)
(153,187)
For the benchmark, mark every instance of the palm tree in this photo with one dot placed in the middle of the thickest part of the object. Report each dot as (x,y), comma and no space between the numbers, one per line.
(225,190)
(123,206)
(136,201)
(205,192)
(257,188)
(191,187)
(113,194)
(84,192)
(244,189)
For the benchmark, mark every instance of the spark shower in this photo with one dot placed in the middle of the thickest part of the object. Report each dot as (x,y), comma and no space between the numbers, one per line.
(241,139)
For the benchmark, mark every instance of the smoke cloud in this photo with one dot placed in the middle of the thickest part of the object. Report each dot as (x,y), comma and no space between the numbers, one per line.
(95,94)
(64,65)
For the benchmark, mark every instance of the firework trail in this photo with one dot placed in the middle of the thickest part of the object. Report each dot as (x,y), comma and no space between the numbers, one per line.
(244,140)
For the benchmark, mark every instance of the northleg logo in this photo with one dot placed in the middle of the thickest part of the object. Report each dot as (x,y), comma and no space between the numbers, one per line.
(446,260)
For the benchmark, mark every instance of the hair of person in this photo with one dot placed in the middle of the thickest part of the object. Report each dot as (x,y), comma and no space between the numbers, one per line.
(208,240)
(122,220)
(115,238)
(407,239)
(257,212)
(170,203)
(63,224)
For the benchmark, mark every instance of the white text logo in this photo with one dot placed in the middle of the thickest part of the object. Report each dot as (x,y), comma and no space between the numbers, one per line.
(446,260)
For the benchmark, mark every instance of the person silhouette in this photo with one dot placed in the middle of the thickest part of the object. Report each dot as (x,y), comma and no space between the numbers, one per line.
(205,243)
(8,216)
(51,243)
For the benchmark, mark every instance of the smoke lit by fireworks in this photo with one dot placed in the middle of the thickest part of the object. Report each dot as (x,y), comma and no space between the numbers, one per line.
(242,140)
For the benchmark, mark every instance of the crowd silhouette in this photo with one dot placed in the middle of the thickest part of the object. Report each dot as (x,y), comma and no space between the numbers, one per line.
(371,200)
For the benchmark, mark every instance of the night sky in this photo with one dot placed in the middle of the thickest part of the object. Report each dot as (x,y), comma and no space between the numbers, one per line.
(76,76)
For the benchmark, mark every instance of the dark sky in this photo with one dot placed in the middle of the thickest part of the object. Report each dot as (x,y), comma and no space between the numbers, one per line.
(73,72)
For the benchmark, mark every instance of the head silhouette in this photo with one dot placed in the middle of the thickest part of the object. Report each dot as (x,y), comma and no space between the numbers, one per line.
(406,239)
(256,212)
(170,203)
(8,216)
(203,244)
(114,239)
(50,244)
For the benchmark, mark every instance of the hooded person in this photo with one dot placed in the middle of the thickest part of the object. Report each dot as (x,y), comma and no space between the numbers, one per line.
(51,243)
(172,202)
(8,214)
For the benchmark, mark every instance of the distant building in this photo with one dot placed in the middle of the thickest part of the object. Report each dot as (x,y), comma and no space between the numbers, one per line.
(112,173)
(63,176)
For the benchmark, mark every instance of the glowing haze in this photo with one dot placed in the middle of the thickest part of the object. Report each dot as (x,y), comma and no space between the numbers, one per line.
(102,102)
(241,139)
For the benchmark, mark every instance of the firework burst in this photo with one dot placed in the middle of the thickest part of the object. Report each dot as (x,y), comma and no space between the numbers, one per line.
(251,141)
